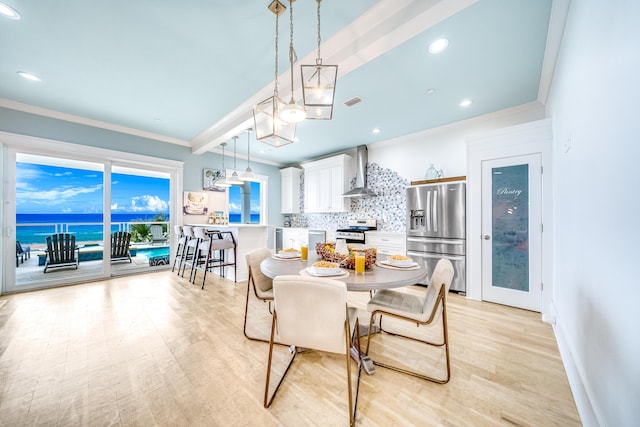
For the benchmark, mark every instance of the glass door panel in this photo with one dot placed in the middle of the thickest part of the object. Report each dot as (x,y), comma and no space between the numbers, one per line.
(510,227)
(512,231)
(57,196)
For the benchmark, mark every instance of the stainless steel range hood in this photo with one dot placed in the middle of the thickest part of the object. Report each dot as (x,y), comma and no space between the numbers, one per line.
(361,189)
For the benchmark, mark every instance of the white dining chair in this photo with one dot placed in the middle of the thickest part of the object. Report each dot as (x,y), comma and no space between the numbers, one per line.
(312,313)
(422,310)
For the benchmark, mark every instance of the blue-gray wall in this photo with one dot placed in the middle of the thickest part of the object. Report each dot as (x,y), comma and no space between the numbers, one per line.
(44,127)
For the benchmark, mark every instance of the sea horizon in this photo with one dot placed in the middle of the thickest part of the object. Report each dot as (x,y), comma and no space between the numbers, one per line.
(87,227)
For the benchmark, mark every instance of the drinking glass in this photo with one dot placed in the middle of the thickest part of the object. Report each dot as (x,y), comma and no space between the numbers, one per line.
(360,257)
(304,252)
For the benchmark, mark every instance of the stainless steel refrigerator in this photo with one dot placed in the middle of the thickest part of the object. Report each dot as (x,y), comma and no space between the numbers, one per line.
(436,228)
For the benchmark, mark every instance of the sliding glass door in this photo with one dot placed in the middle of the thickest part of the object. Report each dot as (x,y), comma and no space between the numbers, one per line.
(71,217)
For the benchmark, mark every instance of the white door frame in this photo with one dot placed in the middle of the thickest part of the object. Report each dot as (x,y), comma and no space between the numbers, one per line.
(11,143)
(529,138)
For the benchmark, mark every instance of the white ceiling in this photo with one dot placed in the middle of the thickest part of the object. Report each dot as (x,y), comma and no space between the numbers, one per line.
(190,72)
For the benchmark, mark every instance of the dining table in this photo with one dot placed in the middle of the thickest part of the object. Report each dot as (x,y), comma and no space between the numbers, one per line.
(379,277)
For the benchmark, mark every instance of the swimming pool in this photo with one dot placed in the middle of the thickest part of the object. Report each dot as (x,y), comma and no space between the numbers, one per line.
(152,252)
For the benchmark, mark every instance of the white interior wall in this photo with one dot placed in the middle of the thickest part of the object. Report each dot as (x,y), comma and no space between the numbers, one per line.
(593,106)
(411,155)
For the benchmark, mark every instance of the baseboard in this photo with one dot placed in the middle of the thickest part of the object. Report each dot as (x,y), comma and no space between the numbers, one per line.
(579,389)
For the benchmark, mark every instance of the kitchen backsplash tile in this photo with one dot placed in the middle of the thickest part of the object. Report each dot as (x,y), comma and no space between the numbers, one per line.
(388,206)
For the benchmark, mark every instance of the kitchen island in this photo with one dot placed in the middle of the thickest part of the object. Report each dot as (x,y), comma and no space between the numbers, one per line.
(248,237)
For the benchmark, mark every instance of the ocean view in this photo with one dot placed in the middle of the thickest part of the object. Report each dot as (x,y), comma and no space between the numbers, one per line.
(86,227)
(33,229)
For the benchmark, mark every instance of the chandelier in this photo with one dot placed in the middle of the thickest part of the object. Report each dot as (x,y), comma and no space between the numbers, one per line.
(269,126)
(234,179)
(319,85)
(222,181)
(292,112)
(248,174)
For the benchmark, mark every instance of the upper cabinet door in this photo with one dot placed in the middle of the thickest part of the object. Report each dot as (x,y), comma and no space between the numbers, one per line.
(290,190)
(325,181)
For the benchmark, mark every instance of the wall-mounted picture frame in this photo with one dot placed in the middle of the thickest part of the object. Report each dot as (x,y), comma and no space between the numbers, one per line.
(209,177)
(195,203)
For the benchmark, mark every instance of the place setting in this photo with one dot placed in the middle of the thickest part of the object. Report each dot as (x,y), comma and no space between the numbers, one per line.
(288,254)
(398,262)
(325,269)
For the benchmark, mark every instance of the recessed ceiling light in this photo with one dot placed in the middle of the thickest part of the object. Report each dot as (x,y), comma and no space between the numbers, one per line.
(29,76)
(375,131)
(430,91)
(8,12)
(438,46)
(465,102)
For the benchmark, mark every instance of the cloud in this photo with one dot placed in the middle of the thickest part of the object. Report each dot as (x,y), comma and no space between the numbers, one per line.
(63,174)
(149,203)
(55,195)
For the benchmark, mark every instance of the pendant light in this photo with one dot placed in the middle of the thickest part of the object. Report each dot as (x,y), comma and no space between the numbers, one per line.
(292,112)
(270,128)
(319,85)
(222,181)
(248,174)
(235,179)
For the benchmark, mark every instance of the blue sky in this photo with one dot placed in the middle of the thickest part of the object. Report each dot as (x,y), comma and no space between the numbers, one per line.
(235,201)
(54,189)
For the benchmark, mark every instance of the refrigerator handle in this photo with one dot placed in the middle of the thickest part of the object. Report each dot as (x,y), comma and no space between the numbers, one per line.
(428,211)
(434,256)
(434,211)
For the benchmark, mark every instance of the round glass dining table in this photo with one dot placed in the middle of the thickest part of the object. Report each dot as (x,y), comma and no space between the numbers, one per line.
(376,278)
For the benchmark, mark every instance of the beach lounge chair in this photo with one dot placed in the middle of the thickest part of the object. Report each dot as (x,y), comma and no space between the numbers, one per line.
(21,254)
(61,251)
(157,236)
(120,246)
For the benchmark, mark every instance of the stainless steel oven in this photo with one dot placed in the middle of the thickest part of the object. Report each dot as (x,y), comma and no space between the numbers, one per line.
(356,229)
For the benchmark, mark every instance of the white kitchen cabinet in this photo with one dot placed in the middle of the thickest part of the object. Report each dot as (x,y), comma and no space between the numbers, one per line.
(290,190)
(387,243)
(325,181)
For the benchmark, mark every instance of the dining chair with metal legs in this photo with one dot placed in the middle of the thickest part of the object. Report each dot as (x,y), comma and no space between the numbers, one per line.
(420,310)
(312,313)
(262,285)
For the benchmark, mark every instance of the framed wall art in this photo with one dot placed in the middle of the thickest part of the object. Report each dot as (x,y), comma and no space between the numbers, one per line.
(209,177)
(195,203)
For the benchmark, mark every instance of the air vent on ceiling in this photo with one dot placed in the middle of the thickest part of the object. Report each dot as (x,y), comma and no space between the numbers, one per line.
(353,101)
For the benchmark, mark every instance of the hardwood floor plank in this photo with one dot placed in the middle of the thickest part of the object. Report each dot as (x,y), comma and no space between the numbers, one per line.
(154,349)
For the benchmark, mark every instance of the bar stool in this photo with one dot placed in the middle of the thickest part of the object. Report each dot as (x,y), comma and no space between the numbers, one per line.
(189,250)
(182,240)
(211,253)
(202,254)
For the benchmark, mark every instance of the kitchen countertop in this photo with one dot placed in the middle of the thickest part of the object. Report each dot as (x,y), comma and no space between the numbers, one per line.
(229,225)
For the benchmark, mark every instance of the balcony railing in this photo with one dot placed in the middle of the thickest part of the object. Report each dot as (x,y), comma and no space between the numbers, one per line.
(35,234)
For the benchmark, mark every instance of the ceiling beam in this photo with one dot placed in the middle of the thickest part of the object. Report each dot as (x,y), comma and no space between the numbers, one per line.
(386,25)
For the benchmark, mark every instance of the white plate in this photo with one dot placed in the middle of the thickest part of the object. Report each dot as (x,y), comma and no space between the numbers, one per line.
(283,254)
(402,263)
(323,272)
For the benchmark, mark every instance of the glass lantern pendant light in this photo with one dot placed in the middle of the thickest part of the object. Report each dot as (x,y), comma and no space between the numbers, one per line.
(248,174)
(270,128)
(235,179)
(222,181)
(292,112)
(319,85)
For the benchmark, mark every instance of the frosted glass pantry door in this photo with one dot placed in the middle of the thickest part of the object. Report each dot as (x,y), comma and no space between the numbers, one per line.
(511,223)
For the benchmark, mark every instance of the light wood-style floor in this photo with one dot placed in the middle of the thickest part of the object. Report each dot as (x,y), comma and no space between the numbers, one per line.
(156,350)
